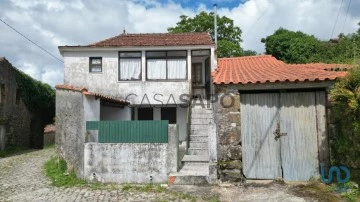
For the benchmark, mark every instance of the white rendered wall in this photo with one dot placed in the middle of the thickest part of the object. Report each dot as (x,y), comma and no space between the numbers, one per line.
(76,73)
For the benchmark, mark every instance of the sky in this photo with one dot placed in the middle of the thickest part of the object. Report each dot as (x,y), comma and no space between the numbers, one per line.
(53,23)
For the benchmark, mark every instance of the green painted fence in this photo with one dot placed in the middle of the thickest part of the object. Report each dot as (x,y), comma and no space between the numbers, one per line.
(130,131)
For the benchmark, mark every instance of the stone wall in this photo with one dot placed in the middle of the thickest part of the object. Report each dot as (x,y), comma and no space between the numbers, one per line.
(15,118)
(227,119)
(70,129)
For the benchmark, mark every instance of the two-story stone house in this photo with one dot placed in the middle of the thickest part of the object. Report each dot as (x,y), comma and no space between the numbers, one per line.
(137,77)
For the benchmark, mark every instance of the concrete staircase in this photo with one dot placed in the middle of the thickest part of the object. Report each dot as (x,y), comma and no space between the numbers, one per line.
(195,164)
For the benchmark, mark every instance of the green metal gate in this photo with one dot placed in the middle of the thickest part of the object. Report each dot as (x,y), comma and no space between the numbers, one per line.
(130,131)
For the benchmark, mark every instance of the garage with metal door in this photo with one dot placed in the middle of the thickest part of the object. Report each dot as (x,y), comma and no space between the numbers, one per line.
(283,115)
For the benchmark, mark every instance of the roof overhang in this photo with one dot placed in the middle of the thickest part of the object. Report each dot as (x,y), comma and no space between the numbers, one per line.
(279,86)
(63,49)
(85,91)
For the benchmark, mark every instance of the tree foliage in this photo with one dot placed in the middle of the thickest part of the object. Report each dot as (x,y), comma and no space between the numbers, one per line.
(229,36)
(298,47)
(345,99)
(38,97)
(289,46)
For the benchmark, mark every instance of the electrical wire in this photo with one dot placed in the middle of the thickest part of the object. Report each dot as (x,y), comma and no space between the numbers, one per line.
(27,38)
(337,18)
(347,12)
(259,18)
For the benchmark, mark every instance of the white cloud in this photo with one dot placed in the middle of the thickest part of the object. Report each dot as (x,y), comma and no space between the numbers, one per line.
(51,23)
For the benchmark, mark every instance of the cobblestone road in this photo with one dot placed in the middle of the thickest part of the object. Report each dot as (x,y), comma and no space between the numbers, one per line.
(22,179)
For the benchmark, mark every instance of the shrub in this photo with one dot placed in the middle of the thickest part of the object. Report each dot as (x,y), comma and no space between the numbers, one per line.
(345,99)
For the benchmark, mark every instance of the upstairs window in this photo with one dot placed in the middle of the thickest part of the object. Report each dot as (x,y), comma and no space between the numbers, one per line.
(95,64)
(129,66)
(166,65)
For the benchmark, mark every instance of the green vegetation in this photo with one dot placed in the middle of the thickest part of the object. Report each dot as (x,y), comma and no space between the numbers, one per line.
(299,47)
(12,151)
(56,170)
(37,96)
(229,36)
(345,99)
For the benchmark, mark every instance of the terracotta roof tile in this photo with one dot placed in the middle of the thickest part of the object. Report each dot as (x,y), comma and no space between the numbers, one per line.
(267,69)
(50,128)
(86,92)
(154,39)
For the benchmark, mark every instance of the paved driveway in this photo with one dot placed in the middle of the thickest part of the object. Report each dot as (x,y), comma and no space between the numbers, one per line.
(22,179)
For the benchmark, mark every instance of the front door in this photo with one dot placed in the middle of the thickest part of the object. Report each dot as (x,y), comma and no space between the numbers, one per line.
(279,134)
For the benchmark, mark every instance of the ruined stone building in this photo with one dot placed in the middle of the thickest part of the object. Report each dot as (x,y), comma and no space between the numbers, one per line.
(19,125)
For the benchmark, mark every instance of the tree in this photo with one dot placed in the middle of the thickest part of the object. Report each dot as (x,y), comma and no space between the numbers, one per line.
(229,36)
(298,47)
(291,47)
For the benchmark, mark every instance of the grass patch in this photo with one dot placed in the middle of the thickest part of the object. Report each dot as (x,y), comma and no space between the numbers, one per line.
(155,188)
(212,198)
(56,170)
(12,151)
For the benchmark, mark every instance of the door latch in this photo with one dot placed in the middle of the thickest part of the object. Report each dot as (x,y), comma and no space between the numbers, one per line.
(277,133)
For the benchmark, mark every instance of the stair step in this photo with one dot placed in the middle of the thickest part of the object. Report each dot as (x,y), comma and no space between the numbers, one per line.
(188,179)
(201,111)
(198,138)
(199,127)
(198,151)
(201,106)
(197,121)
(196,158)
(198,144)
(202,116)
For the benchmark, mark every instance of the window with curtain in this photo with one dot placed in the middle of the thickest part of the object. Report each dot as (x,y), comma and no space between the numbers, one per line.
(129,66)
(166,65)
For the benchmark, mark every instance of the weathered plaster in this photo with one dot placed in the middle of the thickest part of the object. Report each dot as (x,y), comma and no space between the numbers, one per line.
(131,162)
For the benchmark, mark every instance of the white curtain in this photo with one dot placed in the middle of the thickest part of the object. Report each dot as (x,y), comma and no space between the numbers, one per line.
(156,69)
(177,69)
(130,69)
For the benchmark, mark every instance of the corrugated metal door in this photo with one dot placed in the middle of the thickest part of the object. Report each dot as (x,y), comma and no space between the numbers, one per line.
(261,152)
(293,155)
(299,154)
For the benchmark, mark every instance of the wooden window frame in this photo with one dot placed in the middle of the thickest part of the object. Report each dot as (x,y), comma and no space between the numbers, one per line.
(200,55)
(90,64)
(166,58)
(201,73)
(140,78)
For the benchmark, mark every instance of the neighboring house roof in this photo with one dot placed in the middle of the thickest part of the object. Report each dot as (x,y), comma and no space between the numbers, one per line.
(49,128)
(267,69)
(154,39)
(86,92)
